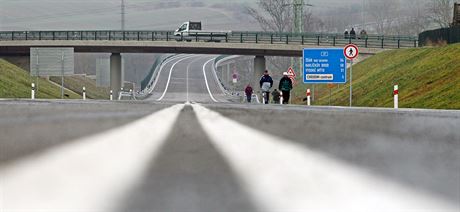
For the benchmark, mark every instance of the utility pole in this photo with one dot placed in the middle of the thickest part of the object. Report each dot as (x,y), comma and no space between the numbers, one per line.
(362,14)
(123,15)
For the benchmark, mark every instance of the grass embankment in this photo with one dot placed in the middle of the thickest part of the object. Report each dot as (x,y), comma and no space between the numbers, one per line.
(427,78)
(16,83)
(76,83)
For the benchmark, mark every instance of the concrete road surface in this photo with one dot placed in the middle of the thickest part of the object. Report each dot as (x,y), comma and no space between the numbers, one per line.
(164,154)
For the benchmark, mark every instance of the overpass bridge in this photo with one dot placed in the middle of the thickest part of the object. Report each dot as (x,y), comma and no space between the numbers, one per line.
(258,44)
(241,43)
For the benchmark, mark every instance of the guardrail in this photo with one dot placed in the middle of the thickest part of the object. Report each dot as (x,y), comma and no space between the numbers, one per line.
(319,39)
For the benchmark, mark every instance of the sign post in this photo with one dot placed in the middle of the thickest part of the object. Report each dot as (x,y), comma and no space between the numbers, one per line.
(330,86)
(235,78)
(351,51)
(292,75)
(322,66)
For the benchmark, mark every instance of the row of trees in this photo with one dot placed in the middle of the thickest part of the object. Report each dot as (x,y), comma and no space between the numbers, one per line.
(408,17)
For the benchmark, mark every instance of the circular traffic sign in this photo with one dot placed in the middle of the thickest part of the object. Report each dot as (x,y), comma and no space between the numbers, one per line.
(351,51)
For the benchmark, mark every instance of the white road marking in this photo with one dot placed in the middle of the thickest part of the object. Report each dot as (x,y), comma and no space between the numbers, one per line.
(206,80)
(169,77)
(281,175)
(89,174)
(162,67)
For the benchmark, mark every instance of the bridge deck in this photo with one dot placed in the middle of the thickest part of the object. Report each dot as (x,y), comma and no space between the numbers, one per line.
(243,43)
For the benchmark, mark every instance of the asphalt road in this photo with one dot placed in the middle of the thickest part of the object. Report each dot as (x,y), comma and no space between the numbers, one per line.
(164,154)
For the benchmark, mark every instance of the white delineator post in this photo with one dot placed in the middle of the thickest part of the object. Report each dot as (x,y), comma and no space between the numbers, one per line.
(396,95)
(263,97)
(33,91)
(84,93)
(281,98)
(308,97)
(111,95)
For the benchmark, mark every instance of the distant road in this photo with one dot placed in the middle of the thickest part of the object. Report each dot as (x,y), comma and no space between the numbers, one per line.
(182,79)
(164,155)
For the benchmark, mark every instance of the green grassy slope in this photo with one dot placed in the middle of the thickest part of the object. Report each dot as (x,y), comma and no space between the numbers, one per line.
(15,83)
(76,83)
(427,78)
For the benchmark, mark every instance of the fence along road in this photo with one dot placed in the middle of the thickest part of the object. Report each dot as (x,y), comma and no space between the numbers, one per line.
(321,39)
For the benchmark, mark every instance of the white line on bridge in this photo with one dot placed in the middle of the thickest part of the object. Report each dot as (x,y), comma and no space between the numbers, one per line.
(206,79)
(89,174)
(283,176)
(169,77)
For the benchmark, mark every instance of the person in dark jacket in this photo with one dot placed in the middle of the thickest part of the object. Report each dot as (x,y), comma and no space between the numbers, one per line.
(285,86)
(248,92)
(353,33)
(266,82)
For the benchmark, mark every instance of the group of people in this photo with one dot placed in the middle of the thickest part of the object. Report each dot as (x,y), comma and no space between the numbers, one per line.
(266,83)
(352,34)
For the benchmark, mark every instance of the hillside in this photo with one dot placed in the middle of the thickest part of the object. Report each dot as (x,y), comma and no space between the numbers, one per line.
(76,83)
(15,83)
(427,78)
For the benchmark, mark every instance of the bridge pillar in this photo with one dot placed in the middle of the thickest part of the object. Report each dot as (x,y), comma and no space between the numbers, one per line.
(115,74)
(259,68)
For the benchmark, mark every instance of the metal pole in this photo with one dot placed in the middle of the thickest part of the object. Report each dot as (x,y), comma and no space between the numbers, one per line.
(38,70)
(313,92)
(62,74)
(351,82)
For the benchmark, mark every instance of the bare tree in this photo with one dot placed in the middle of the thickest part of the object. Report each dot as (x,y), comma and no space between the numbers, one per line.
(440,12)
(412,18)
(276,15)
(384,14)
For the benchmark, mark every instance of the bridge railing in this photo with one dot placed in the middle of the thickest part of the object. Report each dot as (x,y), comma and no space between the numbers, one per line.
(318,39)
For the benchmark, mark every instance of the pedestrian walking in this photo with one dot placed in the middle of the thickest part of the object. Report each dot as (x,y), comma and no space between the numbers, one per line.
(345,34)
(276,96)
(285,86)
(248,90)
(266,82)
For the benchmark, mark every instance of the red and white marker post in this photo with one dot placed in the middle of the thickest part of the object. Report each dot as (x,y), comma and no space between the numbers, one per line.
(396,95)
(308,97)
(33,91)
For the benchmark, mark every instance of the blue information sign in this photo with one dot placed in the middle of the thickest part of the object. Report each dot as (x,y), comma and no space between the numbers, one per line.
(324,66)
